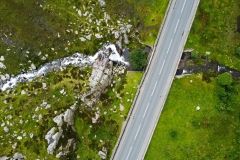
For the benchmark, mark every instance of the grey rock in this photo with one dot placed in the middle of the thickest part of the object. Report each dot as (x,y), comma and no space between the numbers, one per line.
(6,129)
(18,156)
(69,117)
(125,38)
(102,3)
(102,154)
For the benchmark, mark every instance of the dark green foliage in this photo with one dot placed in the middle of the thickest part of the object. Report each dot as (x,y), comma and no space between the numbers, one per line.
(225,79)
(138,59)
(173,134)
(208,75)
(238,51)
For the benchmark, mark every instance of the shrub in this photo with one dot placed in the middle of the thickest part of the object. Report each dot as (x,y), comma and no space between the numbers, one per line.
(138,59)
(225,79)
(238,51)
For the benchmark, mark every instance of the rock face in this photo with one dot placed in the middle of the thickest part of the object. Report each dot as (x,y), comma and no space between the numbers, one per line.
(101,76)
(53,136)
(53,139)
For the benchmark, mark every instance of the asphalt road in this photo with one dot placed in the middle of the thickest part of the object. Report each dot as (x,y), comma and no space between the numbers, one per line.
(154,90)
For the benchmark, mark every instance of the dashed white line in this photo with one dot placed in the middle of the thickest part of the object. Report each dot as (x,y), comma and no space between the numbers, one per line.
(169,46)
(162,67)
(129,153)
(154,89)
(145,111)
(183,6)
(137,132)
(176,26)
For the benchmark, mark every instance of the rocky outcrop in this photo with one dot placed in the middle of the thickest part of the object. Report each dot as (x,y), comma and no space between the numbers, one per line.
(53,136)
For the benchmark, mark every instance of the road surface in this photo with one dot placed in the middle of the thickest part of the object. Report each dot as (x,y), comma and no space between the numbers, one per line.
(142,120)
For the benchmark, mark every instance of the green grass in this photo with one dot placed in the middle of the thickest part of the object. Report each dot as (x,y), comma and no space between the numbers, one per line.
(185,133)
(29,28)
(147,15)
(106,129)
(214,30)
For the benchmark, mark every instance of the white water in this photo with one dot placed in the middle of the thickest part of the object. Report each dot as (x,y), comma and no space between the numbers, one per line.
(76,59)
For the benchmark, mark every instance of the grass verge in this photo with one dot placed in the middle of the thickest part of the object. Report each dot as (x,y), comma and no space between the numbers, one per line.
(186,133)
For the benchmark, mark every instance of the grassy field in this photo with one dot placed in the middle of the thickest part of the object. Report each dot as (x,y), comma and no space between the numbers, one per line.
(215,30)
(147,16)
(21,112)
(186,133)
(38,32)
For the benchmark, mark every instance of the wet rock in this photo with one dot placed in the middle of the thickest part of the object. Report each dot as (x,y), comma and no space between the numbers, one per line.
(33,67)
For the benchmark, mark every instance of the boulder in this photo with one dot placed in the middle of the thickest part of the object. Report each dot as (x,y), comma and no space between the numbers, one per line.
(102,154)
(102,3)
(58,120)
(2,58)
(18,156)
(53,139)
(6,129)
(69,117)
(2,65)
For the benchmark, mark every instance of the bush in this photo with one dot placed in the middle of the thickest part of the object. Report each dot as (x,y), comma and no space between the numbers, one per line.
(238,51)
(138,59)
(225,79)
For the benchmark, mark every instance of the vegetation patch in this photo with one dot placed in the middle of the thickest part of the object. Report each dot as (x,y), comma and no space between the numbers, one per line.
(214,30)
(27,113)
(146,15)
(192,127)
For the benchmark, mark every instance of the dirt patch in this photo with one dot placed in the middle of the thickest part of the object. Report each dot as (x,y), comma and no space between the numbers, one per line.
(238,24)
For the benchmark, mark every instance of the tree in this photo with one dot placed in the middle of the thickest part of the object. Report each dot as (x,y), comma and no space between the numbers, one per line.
(238,51)
(138,59)
(225,79)
(194,54)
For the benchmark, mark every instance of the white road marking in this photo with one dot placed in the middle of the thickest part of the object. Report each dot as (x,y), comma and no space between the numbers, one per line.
(183,6)
(162,67)
(145,110)
(169,46)
(137,132)
(129,153)
(176,26)
(154,89)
